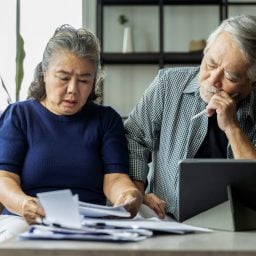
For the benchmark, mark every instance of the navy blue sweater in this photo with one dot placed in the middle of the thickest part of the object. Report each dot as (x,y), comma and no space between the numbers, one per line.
(51,152)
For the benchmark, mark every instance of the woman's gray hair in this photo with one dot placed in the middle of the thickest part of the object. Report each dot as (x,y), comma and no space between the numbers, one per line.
(243,30)
(81,42)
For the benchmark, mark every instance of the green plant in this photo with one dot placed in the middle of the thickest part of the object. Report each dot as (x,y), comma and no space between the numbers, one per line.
(122,19)
(20,54)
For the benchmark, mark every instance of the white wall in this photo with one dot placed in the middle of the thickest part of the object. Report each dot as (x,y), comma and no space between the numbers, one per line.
(39,19)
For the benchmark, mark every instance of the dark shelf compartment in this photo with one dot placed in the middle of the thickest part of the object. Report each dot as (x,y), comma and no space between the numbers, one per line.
(151,58)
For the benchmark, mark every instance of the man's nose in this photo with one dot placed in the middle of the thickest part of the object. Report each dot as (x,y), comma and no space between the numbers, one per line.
(216,78)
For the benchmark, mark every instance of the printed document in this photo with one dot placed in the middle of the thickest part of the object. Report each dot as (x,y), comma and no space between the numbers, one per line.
(68,218)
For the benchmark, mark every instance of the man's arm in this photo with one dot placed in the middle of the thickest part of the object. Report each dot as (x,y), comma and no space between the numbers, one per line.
(241,145)
(151,200)
(225,107)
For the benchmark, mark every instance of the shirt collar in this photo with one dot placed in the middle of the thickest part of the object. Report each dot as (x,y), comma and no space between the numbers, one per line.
(193,86)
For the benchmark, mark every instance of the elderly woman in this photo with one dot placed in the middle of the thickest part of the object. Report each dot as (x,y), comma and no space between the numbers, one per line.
(59,138)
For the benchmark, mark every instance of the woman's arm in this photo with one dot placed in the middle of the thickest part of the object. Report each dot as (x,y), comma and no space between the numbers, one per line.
(1,208)
(119,189)
(15,200)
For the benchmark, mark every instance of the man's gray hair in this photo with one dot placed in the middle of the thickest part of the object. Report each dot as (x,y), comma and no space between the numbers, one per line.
(243,30)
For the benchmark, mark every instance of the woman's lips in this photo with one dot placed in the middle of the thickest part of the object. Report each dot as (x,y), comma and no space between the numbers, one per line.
(70,102)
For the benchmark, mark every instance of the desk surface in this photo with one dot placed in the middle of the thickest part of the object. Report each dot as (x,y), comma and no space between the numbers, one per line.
(215,243)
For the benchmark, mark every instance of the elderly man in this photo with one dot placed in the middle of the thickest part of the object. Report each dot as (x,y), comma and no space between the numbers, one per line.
(162,126)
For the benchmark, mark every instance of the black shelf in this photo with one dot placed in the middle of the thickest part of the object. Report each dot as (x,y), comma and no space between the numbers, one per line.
(241,3)
(130,58)
(151,58)
(161,57)
(128,2)
(156,2)
(183,58)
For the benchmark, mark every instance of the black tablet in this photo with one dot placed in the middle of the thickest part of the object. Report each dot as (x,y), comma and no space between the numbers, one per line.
(203,184)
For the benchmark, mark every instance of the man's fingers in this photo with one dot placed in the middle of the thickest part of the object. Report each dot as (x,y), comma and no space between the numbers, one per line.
(156,204)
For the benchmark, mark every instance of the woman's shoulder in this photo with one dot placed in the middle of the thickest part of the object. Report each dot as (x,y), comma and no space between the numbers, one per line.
(102,110)
(106,115)
(21,107)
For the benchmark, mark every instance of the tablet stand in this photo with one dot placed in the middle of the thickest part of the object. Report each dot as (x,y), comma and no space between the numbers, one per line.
(238,213)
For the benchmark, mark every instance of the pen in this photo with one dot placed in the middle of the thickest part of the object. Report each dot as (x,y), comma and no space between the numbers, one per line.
(205,111)
(199,114)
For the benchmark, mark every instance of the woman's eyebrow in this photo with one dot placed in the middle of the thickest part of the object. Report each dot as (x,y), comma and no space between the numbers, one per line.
(87,74)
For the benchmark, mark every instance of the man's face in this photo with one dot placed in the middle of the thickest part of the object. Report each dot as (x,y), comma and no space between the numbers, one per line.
(224,68)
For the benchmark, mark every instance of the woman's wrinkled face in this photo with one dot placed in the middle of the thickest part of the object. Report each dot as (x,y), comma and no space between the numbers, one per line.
(224,68)
(69,81)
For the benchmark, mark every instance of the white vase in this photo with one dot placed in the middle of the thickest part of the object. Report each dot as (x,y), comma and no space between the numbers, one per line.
(128,40)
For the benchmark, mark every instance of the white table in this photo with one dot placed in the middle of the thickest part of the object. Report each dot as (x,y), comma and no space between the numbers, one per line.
(201,244)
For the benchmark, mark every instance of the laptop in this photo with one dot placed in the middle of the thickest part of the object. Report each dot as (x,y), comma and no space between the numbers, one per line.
(205,183)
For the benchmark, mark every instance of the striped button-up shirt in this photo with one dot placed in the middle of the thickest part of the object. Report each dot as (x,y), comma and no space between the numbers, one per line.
(160,128)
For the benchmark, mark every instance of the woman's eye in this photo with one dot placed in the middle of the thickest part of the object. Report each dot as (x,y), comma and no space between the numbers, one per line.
(84,81)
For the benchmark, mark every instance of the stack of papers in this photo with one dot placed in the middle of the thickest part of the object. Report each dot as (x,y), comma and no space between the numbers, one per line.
(99,211)
(93,233)
(69,219)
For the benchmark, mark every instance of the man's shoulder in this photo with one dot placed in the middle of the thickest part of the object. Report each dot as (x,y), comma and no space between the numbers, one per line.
(177,78)
(179,71)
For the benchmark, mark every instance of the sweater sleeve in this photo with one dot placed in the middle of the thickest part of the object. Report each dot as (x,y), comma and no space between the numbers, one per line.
(13,145)
(114,144)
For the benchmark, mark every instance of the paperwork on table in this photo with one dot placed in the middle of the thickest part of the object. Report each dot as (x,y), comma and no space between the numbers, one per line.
(69,219)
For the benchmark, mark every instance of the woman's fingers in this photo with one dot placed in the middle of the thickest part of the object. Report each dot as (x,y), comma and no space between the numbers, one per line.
(31,210)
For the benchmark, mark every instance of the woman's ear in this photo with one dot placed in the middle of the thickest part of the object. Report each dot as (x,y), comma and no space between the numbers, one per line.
(44,75)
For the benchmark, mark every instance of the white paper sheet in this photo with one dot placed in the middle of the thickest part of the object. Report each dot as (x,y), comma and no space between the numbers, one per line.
(60,208)
(95,211)
(86,233)
(65,210)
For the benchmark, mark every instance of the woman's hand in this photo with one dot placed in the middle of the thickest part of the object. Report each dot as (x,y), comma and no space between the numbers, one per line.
(155,203)
(31,210)
(132,198)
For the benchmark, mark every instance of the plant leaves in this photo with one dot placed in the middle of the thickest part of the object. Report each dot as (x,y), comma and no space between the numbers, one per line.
(20,55)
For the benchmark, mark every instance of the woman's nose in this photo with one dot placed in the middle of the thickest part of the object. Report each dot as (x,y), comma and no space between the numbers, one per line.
(72,86)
